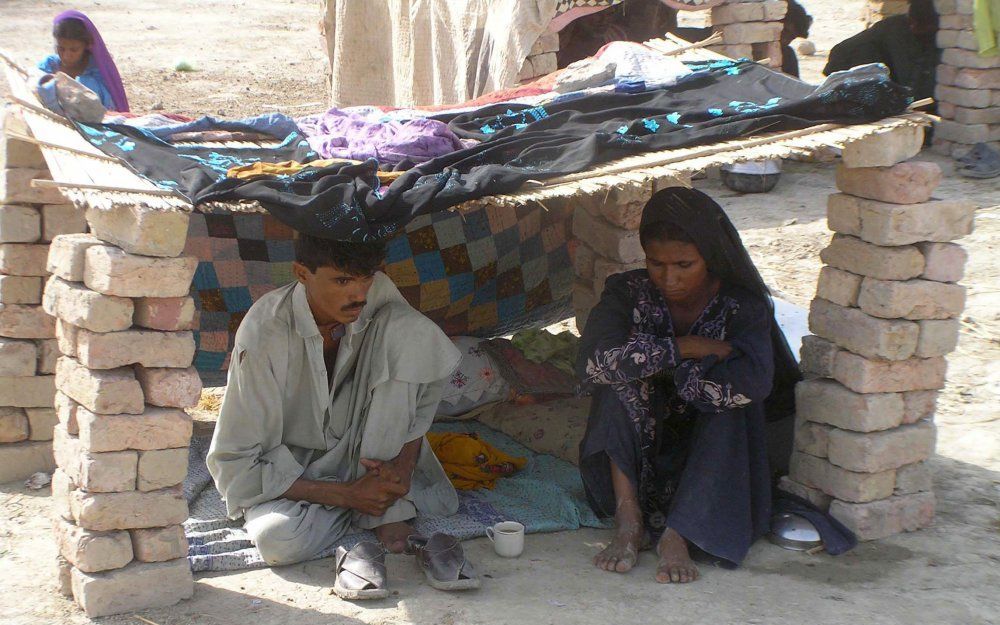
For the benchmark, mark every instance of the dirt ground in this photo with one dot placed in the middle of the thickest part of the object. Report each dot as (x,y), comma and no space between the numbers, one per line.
(257,57)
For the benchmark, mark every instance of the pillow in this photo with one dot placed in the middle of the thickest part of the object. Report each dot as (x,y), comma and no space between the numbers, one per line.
(474,383)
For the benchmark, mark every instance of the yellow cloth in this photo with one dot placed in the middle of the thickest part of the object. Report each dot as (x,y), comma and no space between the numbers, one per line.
(287,168)
(471,463)
(986,22)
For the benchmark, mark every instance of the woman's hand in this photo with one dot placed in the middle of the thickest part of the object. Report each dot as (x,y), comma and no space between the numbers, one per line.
(698,347)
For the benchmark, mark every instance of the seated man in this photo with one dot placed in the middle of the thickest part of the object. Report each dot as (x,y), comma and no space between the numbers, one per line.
(333,382)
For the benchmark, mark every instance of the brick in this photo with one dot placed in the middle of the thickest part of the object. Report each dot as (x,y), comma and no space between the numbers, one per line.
(41,421)
(19,224)
(61,219)
(140,229)
(621,204)
(919,405)
(913,478)
(16,188)
(841,483)
(23,321)
(13,425)
(111,271)
(66,409)
(23,259)
(771,51)
(76,304)
(874,452)
(161,468)
(735,13)
(20,461)
(128,510)
(149,348)
(881,519)
(110,472)
(961,133)
(752,32)
(886,376)
(884,149)
(774,10)
(826,401)
(816,356)
(812,438)
(965,40)
(911,299)
(607,240)
(66,337)
(883,223)
(937,338)
(911,182)
(62,491)
(583,261)
(813,495)
(170,388)
(159,544)
(169,314)
(970,98)
(67,255)
(839,287)
(17,358)
(156,428)
(964,115)
(112,391)
(67,452)
(64,577)
(34,392)
(734,51)
(20,154)
(584,300)
(544,64)
(861,333)
(93,551)
(48,354)
(548,42)
(955,22)
(138,586)
(604,269)
(944,262)
(863,258)
(20,289)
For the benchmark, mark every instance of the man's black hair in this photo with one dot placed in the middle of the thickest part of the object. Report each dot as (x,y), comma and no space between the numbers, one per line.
(358,259)
(72,29)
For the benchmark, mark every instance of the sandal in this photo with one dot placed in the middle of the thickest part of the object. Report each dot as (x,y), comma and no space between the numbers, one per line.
(443,562)
(361,572)
(985,163)
(978,152)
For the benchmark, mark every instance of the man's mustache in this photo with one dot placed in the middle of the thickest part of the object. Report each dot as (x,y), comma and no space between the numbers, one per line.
(357,306)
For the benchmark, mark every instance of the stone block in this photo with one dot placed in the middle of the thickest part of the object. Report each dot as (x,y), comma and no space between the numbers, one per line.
(62,491)
(112,391)
(23,259)
(66,337)
(884,149)
(19,224)
(751,32)
(937,337)
(911,182)
(961,133)
(604,269)
(48,354)
(76,304)
(826,401)
(64,577)
(584,300)
(874,452)
(149,348)
(735,13)
(813,495)
(20,289)
(20,154)
(41,421)
(16,187)
(14,426)
(129,510)
(812,438)
(67,255)
(883,223)
(169,314)
(621,204)
(887,376)
(774,10)
(60,219)
(23,321)
(911,299)
(944,262)
(918,405)
(863,334)
(881,519)
(160,468)
(156,428)
(970,98)
(18,359)
(862,258)
(841,483)
(170,388)
(140,229)
(956,22)
(19,461)
(110,472)
(583,261)
(35,392)
(66,413)
(93,551)
(913,478)
(111,271)
(964,115)
(816,356)
(548,42)
(957,39)
(607,240)
(159,544)
(138,586)
(839,287)
(67,451)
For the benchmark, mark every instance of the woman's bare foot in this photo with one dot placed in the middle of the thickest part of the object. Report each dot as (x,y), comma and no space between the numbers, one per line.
(393,535)
(623,551)
(676,565)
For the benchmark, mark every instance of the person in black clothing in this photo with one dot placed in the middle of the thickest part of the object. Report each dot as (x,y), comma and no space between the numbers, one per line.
(795,25)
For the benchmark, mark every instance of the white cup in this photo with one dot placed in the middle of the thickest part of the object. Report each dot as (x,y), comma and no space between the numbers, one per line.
(507,537)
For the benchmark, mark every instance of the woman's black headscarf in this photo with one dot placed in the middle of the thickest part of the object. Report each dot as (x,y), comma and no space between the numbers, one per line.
(703,221)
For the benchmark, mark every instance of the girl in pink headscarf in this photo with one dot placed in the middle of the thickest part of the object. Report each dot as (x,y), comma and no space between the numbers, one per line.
(81,54)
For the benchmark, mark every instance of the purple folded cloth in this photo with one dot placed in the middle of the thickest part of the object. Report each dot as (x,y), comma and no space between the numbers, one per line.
(344,134)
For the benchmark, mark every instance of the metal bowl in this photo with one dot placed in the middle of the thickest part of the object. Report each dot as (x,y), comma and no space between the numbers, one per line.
(794,532)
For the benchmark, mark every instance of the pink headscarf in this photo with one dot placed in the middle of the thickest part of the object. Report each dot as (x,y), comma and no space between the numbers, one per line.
(102,58)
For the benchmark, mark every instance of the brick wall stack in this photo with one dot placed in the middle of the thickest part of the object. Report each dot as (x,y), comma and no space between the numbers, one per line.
(968,85)
(123,380)
(29,218)
(750,29)
(877,10)
(885,315)
(541,59)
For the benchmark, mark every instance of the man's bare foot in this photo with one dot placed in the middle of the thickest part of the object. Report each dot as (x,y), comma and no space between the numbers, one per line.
(676,565)
(393,535)
(623,551)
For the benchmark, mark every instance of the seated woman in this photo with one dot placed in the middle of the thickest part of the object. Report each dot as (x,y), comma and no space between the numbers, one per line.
(680,358)
(81,54)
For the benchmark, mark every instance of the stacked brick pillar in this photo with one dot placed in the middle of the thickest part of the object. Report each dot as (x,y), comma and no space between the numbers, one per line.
(968,85)
(29,218)
(885,316)
(750,29)
(124,377)
(541,59)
